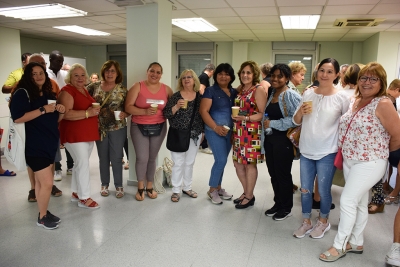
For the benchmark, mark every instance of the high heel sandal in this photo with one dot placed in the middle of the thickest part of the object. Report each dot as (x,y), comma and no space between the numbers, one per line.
(140,194)
(391,200)
(248,204)
(239,199)
(376,208)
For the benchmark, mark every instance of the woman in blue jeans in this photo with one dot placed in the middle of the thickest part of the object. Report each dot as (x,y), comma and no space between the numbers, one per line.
(319,114)
(215,110)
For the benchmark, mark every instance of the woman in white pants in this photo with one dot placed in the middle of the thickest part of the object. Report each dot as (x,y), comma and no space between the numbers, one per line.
(367,131)
(178,111)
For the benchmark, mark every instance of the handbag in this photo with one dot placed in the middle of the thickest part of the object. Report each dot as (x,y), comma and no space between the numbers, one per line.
(15,146)
(179,140)
(338,162)
(167,167)
(151,129)
(292,133)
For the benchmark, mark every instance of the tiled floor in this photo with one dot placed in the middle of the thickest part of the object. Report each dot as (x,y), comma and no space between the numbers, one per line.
(193,232)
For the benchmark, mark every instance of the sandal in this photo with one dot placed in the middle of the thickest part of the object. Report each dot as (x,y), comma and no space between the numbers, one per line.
(74,197)
(120,192)
(139,195)
(32,196)
(150,193)
(55,191)
(175,197)
(353,249)
(376,208)
(190,193)
(88,203)
(104,191)
(391,200)
(330,258)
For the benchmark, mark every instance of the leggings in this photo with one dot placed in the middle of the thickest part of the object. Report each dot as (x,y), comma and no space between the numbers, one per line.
(146,149)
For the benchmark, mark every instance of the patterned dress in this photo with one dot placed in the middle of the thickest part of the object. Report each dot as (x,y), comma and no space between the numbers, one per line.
(246,134)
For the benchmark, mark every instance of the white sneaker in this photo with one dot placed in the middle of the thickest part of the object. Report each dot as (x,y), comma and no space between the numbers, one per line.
(57,176)
(206,150)
(69,171)
(393,257)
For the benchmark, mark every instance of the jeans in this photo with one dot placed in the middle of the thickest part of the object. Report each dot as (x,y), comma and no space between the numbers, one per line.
(221,146)
(324,169)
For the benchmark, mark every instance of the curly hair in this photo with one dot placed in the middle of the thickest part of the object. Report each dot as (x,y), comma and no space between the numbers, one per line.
(107,65)
(29,84)
(284,70)
(297,67)
(254,69)
(196,87)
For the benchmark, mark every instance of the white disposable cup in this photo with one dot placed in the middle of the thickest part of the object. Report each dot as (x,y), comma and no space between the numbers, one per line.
(95,105)
(226,127)
(154,106)
(235,111)
(116,114)
(50,101)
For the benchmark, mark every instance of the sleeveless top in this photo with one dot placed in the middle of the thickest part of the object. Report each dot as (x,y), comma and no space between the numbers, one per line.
(366,139)
(145,98)
(84,130)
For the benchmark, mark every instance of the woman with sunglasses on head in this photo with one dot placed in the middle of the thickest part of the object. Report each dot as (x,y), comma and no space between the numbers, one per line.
(367,132)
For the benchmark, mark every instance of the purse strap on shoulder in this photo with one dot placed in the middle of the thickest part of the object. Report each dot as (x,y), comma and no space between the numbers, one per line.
(194,111)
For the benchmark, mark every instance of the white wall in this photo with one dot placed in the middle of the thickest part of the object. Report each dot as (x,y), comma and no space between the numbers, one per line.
(388,50)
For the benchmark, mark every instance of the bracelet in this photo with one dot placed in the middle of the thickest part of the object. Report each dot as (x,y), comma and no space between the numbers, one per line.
(87,114)
(215,127)
(61,112)
(248,118)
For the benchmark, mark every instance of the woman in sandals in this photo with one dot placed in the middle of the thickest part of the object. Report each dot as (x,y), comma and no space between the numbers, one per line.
(178,111)
(111,94)
(29,105)
(78,131)
(367,132)
(145,101)
(251,101)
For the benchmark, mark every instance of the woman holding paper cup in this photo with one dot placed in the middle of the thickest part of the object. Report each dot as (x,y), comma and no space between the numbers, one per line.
(78,131)
(179,110)
(146,101)
(319,114)
(110,94)
(250,102)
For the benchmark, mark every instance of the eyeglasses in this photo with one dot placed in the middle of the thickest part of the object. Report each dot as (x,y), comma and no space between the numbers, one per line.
(372,80)
(187,77)
(110,71)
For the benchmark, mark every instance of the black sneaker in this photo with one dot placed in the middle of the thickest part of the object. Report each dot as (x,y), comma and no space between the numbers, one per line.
(281,215)
(53,218)
(46,223)
(271,212)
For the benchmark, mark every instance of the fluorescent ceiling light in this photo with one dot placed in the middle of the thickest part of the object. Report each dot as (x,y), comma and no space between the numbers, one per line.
(41,12)
(194,25)
(81,30)
(300,22)
(306,58)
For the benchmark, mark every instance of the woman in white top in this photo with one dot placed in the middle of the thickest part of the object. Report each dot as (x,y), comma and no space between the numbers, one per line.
(318,144)
(368,130)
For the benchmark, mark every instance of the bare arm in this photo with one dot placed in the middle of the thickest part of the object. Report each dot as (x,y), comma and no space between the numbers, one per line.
(390,121)
(266,85)
(28,116)
(205,106)
(67,101)
(261,100)
(130,101)
(202,88)
(6,89)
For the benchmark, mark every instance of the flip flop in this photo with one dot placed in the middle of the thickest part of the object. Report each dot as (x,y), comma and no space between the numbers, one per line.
(8,173)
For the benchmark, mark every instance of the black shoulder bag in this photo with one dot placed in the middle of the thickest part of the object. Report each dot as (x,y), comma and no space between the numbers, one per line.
(179,140)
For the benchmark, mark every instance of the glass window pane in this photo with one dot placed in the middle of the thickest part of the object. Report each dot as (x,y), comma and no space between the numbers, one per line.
(287,58)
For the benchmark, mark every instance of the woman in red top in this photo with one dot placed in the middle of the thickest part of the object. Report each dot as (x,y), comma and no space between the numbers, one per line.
(79,115)
(148,127)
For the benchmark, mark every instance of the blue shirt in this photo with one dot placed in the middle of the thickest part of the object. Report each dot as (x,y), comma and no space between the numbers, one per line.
(221,107)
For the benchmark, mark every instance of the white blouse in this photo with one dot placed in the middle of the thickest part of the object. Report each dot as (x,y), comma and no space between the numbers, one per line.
(320,129)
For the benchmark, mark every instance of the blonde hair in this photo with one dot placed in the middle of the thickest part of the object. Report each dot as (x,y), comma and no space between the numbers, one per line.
(196,86)
(73,67)
(296,67)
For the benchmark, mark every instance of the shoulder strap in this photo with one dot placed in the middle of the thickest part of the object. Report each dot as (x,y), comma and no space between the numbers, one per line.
(194,111)
(25,92)
(109,94)
(284,104)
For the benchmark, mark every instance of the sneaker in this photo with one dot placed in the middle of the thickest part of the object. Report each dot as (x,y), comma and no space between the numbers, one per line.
(214,196)
(52,217)
(271,212)
(320,229)
(206,150)
(281,215)
(57,176)
(304,230)
(46,223)
(69,171)
(224,195)
(393,257)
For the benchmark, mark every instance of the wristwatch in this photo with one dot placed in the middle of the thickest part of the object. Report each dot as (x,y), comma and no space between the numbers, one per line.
(42,110)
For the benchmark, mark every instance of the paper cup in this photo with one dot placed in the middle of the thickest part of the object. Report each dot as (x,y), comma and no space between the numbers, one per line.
(154,106)
(226,127)
(50,101)
(116,115)
(186,103)
(95,105)
(235,111)
(309,103)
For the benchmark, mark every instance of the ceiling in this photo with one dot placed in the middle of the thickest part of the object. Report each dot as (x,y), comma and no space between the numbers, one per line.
(237,20)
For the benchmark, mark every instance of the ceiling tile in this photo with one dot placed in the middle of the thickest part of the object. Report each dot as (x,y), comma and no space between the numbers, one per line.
(224,20)
(177,14)
(193,4)
(262,19)
(386,9)
(107,18)
(300,10)
(348,10)
(231,26)
(282,3)
(216,12)
(353,2)
(259,3)
(256,11)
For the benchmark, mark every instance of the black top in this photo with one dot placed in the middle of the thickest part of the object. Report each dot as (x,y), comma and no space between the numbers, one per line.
(275,113)
(204,79)
(41,133)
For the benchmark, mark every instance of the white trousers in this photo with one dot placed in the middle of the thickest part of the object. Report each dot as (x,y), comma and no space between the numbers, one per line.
(360,177)
(80,182)
(182,171)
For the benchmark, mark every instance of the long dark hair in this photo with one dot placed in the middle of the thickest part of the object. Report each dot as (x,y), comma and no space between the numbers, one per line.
(29,84)
(224,67)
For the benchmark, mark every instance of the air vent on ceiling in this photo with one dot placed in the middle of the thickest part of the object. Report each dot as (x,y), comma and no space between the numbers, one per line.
(342,23)
(125,3)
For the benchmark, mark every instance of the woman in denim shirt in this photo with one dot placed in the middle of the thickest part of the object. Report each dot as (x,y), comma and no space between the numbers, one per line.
(216,110)
(278,148)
